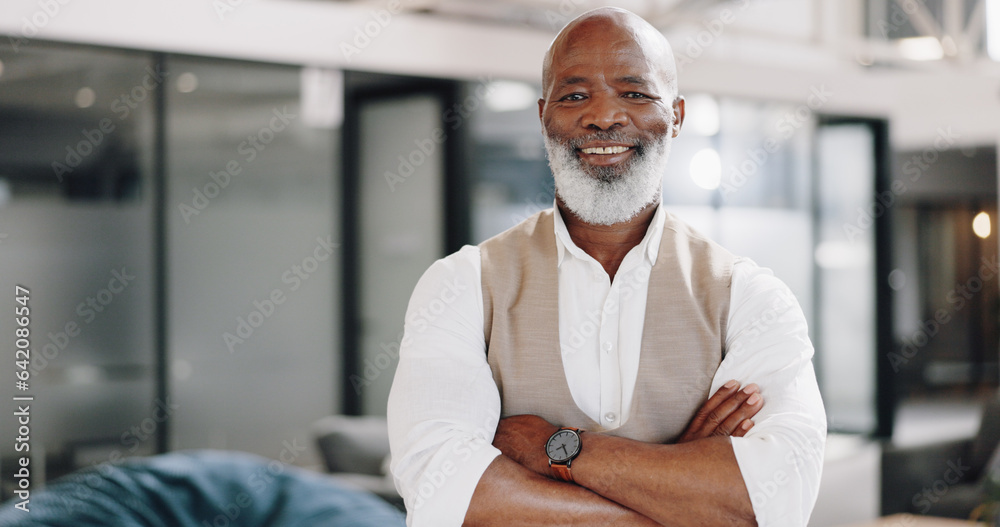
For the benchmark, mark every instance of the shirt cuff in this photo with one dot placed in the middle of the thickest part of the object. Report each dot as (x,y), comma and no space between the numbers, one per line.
(442,495)
(782,483)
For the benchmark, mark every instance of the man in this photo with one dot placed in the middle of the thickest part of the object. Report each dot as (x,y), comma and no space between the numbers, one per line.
(611,316)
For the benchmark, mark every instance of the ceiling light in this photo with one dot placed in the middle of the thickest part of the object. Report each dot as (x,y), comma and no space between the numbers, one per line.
(841,255)
(921,48)
(509,96)
(85,97)
(187,82)
(706,169)
(702,115)
(981,225)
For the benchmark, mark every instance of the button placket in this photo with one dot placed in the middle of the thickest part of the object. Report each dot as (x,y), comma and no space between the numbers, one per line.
(609,361)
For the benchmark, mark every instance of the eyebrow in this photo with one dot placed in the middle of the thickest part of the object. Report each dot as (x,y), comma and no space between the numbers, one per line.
(570,81)
(634,80)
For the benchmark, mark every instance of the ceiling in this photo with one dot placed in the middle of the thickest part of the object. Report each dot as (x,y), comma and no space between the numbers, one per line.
(543,14)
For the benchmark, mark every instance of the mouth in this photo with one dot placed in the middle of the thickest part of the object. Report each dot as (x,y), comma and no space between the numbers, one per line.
(604,154)
(605,150)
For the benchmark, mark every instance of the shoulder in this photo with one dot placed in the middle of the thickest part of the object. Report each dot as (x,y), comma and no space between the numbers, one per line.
(753,282)
(463,264)
(449,293)
(763,309)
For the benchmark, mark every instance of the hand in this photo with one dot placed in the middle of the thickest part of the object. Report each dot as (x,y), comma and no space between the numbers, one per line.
(727,413)
(522,438)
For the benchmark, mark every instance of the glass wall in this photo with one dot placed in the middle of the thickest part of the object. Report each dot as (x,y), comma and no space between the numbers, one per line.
(253,237)
(845,162)
(76,163)
(249,153)
(400,227)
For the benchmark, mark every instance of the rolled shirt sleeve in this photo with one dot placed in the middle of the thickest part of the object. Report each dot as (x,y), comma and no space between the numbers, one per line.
(781,458)
(444,406)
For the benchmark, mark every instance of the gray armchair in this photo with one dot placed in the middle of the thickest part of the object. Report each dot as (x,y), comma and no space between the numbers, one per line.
(356,451)
(944,479)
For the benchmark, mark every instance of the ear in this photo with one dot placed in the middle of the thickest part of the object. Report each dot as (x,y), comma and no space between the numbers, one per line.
(541,108)
(678,116)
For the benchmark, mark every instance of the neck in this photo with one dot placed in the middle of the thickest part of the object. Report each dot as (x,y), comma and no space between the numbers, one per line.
(608,244)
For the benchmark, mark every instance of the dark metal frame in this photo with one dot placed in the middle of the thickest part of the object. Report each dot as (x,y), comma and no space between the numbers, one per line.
(885,385)
(360,88)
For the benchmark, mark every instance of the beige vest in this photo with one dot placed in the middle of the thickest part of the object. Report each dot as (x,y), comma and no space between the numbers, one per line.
(683,336)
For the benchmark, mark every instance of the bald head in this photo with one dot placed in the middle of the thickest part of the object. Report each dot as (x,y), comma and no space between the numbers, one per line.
(611,30)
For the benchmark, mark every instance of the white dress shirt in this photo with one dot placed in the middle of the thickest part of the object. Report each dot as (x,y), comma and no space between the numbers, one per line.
(444,405)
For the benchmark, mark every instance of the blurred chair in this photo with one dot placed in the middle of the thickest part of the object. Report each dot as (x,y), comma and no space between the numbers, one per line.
(356,451)
(943,479)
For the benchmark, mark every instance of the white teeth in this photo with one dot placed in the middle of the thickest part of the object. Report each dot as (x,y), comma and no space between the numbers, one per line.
(605,150)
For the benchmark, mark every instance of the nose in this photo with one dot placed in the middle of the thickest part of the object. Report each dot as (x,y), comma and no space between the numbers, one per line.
(603,112)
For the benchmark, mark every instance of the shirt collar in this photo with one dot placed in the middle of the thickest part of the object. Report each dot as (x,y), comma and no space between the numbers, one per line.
(650,244)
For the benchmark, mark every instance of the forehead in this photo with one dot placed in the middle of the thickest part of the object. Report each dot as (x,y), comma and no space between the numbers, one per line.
(596,48)
(628,57)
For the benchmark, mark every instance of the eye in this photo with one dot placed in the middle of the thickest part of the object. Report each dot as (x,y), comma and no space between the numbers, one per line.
(636,95)
(572,97)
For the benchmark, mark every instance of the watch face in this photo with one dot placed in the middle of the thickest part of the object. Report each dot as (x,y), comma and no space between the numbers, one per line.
(563,446)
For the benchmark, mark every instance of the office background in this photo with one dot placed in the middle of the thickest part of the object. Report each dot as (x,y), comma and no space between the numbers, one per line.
(220,207)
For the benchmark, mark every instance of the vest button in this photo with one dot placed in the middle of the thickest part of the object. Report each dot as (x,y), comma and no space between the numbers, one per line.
(610,417)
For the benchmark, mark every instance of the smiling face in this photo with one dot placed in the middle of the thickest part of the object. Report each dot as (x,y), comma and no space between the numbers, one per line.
(609,112)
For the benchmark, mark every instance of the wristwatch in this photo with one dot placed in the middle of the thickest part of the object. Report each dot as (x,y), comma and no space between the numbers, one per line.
(562,448)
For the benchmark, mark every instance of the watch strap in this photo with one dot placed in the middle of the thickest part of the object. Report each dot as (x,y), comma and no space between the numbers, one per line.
(562,471)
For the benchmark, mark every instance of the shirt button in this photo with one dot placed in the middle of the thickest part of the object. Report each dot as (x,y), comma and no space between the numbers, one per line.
(607,346)
(610,417)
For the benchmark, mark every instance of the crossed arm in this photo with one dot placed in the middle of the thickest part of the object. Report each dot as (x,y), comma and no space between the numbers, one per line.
(621,481)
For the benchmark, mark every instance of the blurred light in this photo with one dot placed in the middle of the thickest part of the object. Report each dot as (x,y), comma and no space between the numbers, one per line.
(897,279)
(948,46)
(921,48)
(701,115)
(840,255)
(83,374)
(865,58)
(187,82)
(981,225)
(85,97)
(509,96)
(1,68)
(993,29)
(181,370)
(321,93)
(706,169)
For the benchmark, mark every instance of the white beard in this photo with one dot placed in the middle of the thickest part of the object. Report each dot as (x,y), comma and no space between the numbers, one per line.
(607,199)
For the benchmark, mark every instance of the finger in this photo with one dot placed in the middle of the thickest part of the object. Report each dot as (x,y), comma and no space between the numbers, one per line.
(720,396)
(716,419)
(744,427)
(750,405)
